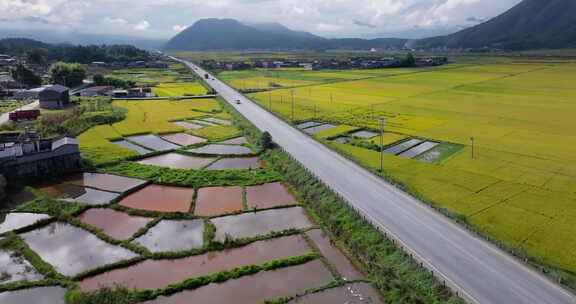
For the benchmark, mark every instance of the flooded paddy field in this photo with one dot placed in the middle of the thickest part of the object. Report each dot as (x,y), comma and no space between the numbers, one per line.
(144,275)
(187,125)
(334,255)
(184,139)
(364,134)
(236,163)
(205,123)
(177,161)
(269,195)
(308,124)
(218,200)
(319,128)
(236,141)
(263,222)
(222,150)
(77,193)
(357,293)
(128,145)
(160,198)
(14,221)
(173,235)
(419,149)
(153,142)
(403,146)
(15,268)
(256,288)
(16,198)
(114,223)
(218,120)
(72,250)
(38,295)
(105,182)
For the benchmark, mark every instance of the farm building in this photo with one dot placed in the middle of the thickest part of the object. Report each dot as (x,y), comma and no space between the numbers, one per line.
(29,94)
(27,156)
(97,92)
(54,97)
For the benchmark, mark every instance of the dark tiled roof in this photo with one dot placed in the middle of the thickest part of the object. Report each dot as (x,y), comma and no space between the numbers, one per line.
(57,88)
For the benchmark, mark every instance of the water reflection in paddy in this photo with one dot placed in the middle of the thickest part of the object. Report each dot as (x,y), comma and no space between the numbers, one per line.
(130,146)
(218,120)
(78,194)
(263,222)
(256,288)
(145,274)
(177,161)
(13,221)
(173,235)
(106,182)
(222,150)
(15,268)
(184,139)
(218,200)
(72,250)
(153,142)
(160,198)
(39,295)
(236,163)
(236,141)
(116,224)
(187,125)
(357,293)
(269,195)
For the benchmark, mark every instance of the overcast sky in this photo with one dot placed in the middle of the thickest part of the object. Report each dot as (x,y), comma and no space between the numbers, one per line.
(330,18)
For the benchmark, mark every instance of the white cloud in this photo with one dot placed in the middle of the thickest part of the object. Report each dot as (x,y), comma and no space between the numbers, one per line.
(142,25)
(118,21)
(178,28)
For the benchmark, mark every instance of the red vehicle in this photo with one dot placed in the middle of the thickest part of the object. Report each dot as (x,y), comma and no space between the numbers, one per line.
(24,114)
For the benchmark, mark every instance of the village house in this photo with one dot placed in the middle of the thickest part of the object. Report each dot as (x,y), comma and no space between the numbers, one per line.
(97,91)
(54,97)
(26,155)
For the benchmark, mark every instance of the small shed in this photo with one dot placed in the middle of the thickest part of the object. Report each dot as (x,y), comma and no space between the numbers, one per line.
(54,97)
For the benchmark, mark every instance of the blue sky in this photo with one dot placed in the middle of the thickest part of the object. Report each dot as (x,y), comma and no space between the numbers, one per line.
(330,18)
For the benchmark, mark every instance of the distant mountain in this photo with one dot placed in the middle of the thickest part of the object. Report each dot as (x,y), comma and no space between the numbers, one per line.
(531,24)
(74,37)
(229,34)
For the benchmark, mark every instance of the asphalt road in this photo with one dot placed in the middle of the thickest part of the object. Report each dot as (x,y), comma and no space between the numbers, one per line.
(6,116)
(477,270)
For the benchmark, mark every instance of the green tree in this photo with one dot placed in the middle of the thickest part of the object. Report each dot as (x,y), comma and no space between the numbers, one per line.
(266,141)
(99,79)
(3,185)
(409,61)
(67,74)
(25,76)
(37,56)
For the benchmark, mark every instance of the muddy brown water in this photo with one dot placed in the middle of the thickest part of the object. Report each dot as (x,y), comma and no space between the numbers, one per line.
(145,274)
(257,223)
(77,193)
(187,125)
(105,182)
(358,293)
(173,235)
(72,250)
(15,269)
(256,288)
(16,199)
(218,200)
(236,141)
(346,269)
(236,163)
(222,150)
(269,195)
(160,198)
(184,139)
(13,221)
(39,295)
(177,161)
(116,224)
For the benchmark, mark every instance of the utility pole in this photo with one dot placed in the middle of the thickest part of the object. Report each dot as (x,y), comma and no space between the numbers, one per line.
(315,111)
(472,141)
(382,123)
(331,98)
(292,92)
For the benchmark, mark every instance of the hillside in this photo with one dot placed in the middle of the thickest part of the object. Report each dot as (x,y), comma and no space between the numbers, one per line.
(531,24)
(229,34)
